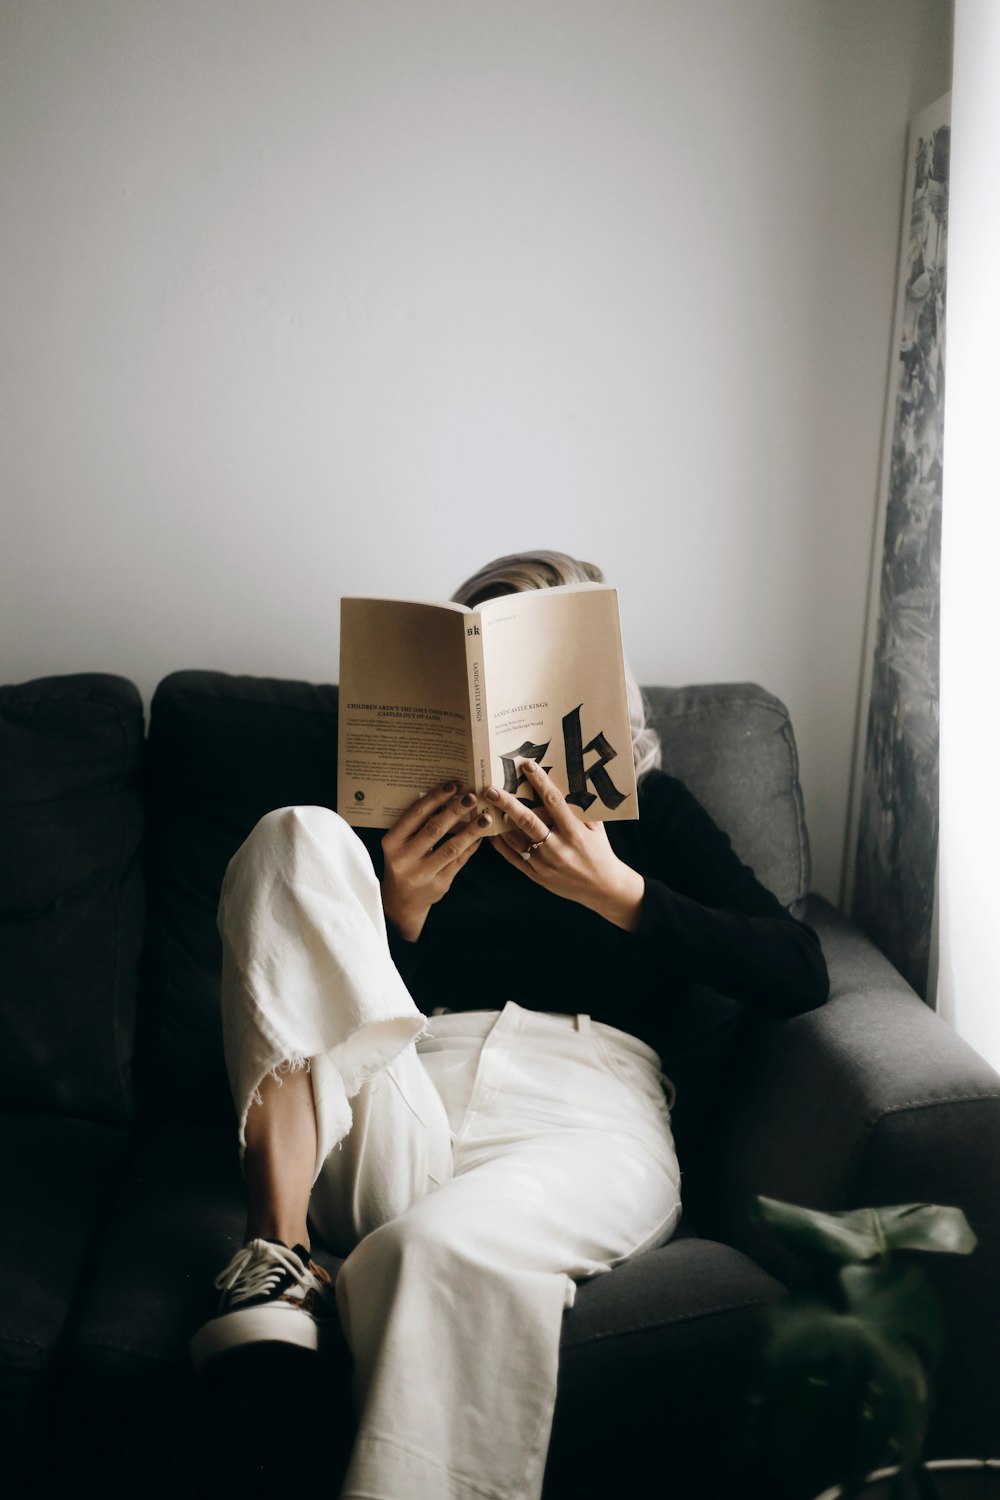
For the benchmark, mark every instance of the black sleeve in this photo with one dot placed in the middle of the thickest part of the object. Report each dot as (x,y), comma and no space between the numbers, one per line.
(405,955)
(711,917)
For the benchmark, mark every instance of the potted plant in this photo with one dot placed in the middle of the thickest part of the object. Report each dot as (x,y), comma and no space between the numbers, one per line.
(848,1357)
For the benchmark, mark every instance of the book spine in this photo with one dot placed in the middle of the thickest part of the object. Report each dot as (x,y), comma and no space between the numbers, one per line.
(478,715)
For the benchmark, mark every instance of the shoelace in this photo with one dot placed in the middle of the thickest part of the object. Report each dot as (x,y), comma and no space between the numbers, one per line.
(260,1274)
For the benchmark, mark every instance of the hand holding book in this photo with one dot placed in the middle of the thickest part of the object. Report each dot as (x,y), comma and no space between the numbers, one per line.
(424,851)
(570,858)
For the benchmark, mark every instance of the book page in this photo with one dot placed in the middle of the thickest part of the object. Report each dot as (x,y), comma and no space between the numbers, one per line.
(555,683)
(404,724)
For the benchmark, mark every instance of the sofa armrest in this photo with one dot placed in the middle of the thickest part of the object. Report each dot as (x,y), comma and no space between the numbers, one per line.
(834,1101)
(874,1099)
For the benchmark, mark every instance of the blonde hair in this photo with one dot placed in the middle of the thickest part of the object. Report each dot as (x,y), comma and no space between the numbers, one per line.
(546,570)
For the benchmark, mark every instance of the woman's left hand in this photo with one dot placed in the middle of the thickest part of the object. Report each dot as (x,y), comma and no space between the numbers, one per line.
(571,858)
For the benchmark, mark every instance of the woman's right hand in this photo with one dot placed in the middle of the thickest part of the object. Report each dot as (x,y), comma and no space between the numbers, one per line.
(419,868)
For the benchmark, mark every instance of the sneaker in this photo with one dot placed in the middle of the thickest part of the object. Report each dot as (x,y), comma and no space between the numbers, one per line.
(269,1292)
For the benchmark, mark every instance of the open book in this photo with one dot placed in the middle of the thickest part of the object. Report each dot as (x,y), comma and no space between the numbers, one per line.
(431,693)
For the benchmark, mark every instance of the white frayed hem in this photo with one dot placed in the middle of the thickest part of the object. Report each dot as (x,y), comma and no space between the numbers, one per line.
(293,1064)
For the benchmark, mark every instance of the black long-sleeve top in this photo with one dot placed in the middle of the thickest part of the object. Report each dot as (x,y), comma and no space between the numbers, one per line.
(707,923)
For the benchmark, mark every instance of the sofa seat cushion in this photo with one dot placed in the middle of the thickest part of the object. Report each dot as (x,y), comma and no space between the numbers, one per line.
(58,1176)
(657,1361)
(664,1299)
(129,1400)
(179,1214)
(177,1218)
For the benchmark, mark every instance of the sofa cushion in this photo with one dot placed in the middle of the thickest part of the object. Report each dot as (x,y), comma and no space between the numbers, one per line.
(58,1176)
(222,752)
(125,1374)
(177,1218)
(732,744)
(71,894)
(657,1361)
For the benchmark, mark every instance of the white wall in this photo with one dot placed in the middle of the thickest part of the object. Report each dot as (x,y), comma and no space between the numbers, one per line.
(305,297)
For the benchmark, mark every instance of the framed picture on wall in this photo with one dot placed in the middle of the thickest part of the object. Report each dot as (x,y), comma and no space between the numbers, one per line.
(894,828)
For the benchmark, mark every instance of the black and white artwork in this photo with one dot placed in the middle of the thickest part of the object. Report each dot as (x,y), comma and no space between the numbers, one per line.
(898,827)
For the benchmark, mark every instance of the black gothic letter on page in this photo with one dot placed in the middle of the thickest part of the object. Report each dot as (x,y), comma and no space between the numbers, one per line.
(575,773)
(512,778)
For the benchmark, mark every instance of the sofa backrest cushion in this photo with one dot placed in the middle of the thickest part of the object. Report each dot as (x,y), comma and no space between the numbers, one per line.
(71,894)
(224,750)
(732,744)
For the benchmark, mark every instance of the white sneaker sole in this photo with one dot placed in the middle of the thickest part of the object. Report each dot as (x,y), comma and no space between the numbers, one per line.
(254,1325)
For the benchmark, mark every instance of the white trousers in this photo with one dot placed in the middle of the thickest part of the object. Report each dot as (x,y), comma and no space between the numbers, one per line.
(472,1168)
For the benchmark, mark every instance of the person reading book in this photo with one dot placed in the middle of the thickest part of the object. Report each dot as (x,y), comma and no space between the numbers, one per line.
(444,1053)
(433,692)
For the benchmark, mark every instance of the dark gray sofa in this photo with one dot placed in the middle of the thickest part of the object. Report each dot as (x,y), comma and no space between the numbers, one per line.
(121,1191)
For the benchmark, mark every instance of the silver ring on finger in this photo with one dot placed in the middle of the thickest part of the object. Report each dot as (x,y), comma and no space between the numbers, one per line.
(527,853)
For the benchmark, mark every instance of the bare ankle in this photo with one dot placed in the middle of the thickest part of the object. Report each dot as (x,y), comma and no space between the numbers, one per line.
(284,1231)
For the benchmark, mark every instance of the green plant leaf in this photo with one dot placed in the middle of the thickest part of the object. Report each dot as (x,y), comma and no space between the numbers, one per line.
(844,1364)
(840,1237)
(845,1394)
(802,1333)
(897,1300)
(903,1393)
(865,1234)
(819,1367)
(934,1227)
